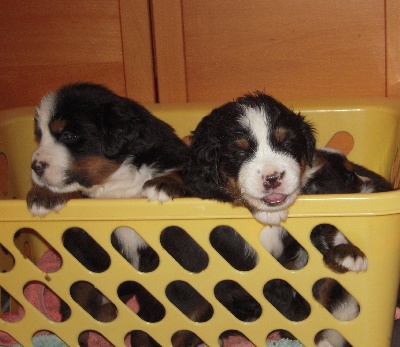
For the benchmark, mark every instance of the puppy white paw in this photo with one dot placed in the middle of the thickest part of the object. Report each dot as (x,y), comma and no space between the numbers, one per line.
(42,201)
(357,264)
(155,194)
(346,257)
(163,188)
(41,211)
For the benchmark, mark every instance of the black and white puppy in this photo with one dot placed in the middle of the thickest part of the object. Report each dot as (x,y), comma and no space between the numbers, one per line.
(96,144)
(102,145)
(331,173)
(252,152)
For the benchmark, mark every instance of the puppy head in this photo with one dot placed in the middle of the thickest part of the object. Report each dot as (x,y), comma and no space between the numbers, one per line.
(85,132)
(255,150)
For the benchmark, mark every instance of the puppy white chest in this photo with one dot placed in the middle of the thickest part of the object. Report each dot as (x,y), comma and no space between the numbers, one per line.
(126,182)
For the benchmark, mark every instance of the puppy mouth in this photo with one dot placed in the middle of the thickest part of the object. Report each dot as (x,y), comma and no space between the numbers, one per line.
(274,199)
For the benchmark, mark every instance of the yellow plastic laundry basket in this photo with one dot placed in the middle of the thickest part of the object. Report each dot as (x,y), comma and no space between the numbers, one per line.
(371,221)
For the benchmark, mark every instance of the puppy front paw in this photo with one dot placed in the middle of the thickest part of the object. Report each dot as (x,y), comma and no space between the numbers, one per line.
(42,201)
(346,257)
(163,188)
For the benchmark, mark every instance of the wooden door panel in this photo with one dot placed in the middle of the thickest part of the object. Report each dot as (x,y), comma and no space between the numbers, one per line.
(48,43)
(289,48)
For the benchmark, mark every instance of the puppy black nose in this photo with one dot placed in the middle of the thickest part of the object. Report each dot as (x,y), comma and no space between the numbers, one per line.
(39,167)
(273,181)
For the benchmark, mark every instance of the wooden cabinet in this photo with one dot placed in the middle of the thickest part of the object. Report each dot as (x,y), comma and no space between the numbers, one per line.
(190,50)
(47,43)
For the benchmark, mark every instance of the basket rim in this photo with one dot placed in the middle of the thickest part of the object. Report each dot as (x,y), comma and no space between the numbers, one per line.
(334,205)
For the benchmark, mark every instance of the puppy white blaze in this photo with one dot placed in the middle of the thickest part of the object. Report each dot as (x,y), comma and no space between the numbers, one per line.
(264,162)
(49,151)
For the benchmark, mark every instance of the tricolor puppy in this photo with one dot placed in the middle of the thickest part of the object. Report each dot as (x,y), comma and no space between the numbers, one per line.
(96,144)
(252,152)
(100,145)
(330,173)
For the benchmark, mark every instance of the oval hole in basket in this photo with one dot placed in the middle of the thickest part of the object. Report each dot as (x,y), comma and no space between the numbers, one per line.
(86,250)
(292,255)
(184,249)
(189,301)
(278,334)
(141,301)
(7,260)
(42,338)
(234,338)
(9,338)
(93,301)
(38,250)
(336,299)
(237,301)
(46,301)
(331,336)
(11,310)
(233,248)
(134,249)
(139,338)
(93,338)
(339,254)
(186,338)
(286,300)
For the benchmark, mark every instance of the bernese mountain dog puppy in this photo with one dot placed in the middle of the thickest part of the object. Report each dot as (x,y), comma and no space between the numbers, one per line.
(101,145)
(251,152)
(96,144)
(330,173)
(255,152)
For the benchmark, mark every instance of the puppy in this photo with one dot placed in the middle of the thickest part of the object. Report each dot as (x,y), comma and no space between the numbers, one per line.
(252,152)
(331,173)
(96,144)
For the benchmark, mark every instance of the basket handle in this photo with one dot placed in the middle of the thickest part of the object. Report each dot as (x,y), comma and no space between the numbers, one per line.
(343,141)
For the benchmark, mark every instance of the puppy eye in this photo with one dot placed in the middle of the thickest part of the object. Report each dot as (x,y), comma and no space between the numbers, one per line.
(242,148)
(68,137)
(241,154)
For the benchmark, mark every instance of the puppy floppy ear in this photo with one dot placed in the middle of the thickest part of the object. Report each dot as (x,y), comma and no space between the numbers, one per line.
(122,124)
(308,132)
(201,173)
(206,159)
